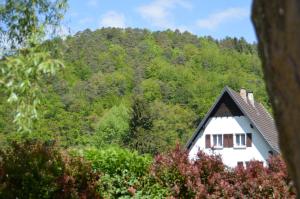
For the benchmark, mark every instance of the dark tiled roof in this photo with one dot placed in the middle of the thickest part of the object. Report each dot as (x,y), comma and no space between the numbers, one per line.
(257,114)
(260,118)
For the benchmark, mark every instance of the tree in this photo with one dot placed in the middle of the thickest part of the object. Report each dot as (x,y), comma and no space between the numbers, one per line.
(25,61)
(113,125)
(277,28)
(103,69)
(20,20)
(140,125)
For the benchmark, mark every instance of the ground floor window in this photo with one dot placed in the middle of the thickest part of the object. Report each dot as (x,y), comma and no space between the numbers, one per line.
(248,162)
(240,164)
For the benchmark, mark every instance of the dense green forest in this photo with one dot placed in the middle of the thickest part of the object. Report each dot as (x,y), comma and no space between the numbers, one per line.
(135,88)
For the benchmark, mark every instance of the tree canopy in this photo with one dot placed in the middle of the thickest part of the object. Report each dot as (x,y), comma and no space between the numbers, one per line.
(140,89)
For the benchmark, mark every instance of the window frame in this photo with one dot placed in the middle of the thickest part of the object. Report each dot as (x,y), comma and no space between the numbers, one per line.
(217,137)
(235,145)
(240,164)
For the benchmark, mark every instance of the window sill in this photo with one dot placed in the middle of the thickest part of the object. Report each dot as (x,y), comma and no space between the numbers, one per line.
(239,147)
(217,147)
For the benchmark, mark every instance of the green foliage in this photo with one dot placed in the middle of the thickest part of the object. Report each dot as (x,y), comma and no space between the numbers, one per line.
(20,20)
(172,123)
(24,62)
(141,123)
(122,169)
(135,88)
(115,161)
(151,89)
(22,77)
(156,127)
(114,125)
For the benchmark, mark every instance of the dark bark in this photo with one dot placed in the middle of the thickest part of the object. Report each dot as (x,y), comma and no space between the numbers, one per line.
(277,25)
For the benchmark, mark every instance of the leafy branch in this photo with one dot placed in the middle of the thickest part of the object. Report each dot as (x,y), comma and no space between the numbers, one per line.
(25,61)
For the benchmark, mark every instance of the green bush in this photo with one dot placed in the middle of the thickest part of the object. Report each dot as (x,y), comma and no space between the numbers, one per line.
(114,161)
(124,171)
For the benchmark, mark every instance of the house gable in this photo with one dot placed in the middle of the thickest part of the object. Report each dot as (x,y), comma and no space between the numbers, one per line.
(223,106)
(226,107)
(229,103)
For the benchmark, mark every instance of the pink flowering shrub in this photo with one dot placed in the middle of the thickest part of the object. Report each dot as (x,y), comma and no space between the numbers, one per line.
(208,177)
(40,170)
(264,182)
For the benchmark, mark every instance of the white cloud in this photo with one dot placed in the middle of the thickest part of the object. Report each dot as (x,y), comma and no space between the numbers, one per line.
(159,14)
(216,19)
(92,3)
(113,19)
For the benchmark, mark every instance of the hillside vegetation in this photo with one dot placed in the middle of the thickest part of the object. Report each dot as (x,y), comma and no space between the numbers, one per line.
(137,89)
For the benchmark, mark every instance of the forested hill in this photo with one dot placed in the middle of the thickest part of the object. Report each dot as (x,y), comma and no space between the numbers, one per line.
(139,89)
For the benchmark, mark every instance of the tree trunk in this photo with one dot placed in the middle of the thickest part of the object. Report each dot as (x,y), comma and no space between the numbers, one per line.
(277,24)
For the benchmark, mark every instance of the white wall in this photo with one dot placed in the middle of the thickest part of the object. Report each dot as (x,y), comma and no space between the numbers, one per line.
(232,125)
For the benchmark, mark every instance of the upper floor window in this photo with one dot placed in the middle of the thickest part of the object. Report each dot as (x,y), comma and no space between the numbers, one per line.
(240,140)
(218,140)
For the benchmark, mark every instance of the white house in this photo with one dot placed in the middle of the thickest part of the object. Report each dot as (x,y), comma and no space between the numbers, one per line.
(238,128)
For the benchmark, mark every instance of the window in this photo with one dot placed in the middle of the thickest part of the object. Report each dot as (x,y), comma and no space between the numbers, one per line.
(218,140)
(261,163)
(240,140)
(247,164)
(240,164)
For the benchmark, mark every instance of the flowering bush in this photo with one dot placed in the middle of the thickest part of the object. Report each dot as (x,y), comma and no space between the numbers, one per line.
(40,170)
(264,182)
(208,177)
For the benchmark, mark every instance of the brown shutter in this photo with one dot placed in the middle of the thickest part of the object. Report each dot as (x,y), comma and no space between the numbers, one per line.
(207,141)
(225,140)
(249,140)
(230,140)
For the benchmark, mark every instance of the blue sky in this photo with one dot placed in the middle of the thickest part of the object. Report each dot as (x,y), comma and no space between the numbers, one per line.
(218,18)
